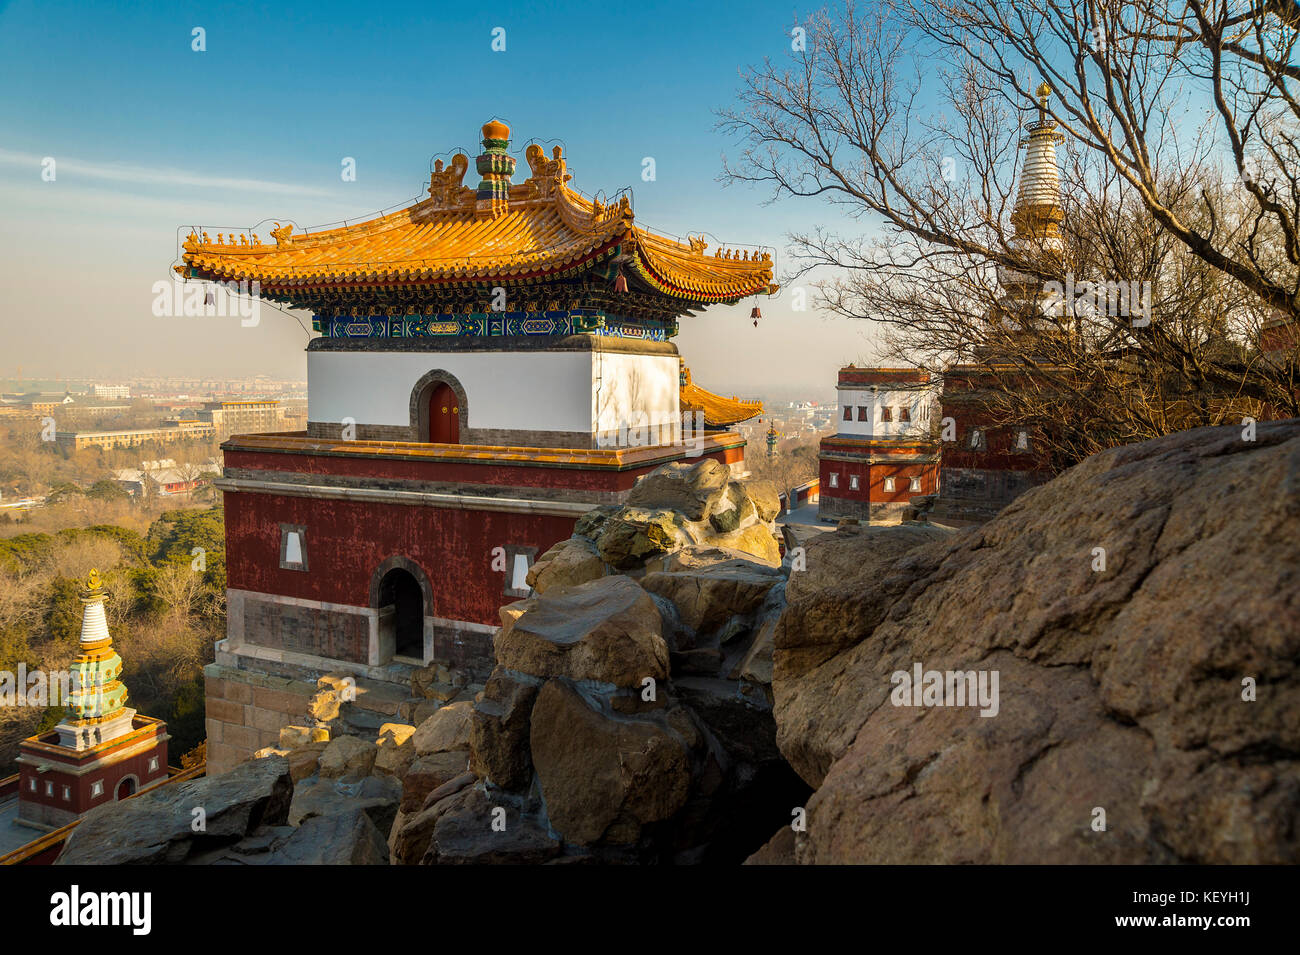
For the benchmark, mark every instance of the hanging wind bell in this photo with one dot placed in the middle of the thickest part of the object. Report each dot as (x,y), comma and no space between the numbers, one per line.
(620,283)
(756,314)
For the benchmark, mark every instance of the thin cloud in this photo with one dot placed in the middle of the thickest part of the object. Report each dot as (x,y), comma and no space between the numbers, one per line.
(125,172)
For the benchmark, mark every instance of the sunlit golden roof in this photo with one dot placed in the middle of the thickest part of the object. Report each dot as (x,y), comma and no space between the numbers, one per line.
(543,231)
(719,412)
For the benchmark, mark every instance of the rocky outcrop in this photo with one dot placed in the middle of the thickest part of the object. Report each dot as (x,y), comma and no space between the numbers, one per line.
(608,629)
(605,775)
(628,718)
(676,506)
(162,826)
(1141,614)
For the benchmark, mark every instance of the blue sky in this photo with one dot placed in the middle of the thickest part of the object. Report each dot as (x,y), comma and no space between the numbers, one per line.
(149,135)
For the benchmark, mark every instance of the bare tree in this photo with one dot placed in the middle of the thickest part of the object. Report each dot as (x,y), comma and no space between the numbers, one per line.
(907,115)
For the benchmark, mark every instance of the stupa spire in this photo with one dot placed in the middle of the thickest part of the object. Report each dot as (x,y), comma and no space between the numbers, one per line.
(95,705)
(1038,212)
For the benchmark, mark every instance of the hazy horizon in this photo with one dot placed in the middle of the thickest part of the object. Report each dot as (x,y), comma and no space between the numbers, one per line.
(153,149)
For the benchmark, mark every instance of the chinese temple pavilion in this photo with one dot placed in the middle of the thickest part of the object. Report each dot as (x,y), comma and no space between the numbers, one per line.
(492,362)
(102,750)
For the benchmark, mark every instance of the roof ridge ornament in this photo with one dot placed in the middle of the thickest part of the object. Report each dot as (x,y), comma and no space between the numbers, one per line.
(447,186)
(497,167)
(281,233)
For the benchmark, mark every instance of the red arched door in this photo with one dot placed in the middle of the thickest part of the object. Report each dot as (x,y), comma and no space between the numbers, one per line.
(444,416)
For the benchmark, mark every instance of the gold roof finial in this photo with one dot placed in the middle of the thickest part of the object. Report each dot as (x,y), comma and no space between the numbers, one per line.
(92,582)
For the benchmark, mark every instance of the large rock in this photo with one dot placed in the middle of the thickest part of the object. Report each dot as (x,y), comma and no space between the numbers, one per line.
(854,575)
(604,776)
(1120,686)
(706,598)
(345,838)
(396,749)
(567,564)
(468,828)
(766,498)
(499,733)
(608,630)
(428,773)
(692,489)
(446,730)
(756,540)
(158,826)
(414,829)
(348,756)
(633,535)
(377,796)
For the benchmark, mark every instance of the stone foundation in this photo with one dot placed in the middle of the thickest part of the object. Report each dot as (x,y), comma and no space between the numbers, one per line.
(245,710)
(884,512)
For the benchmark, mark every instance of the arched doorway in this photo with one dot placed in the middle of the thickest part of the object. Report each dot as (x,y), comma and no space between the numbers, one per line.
(126,786)
(444,415)
(401,613)
(438,408)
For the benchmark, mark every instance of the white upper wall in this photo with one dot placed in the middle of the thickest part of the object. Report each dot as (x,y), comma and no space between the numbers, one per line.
(914,403)
(579,391)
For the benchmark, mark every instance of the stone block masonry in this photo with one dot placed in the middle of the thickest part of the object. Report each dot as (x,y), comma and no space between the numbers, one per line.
(246,709)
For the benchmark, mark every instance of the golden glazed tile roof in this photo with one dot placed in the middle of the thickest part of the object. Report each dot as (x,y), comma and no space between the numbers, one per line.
(544,230)
(718,411)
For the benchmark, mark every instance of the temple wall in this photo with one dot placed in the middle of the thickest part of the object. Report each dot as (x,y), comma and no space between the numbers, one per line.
(452,547)
(919,403)
(531,398)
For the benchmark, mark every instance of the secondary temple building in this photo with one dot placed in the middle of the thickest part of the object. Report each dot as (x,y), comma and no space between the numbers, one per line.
(883,452)
(492,362)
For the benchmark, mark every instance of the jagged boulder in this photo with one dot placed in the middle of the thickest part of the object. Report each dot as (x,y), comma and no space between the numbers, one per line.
(395,749)
(413,829)
(377,796)
(608,630)
(158,827)
(499,732)
(345,838)
(693,489)
(446,730)
(706,598)
(348,756)
(429,773)
(1141,613)
(569,563)
(633,535)
(766,498)
(463,833)
(603,776)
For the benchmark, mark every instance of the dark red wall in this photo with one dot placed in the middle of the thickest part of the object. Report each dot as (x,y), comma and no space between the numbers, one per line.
(871,484)
(346,541)
(137,765)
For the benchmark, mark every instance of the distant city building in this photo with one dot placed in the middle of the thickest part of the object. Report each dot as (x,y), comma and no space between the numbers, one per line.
(102,750)
(163,478)
(111,391)
(883,453)
(134,437)
(243,417)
